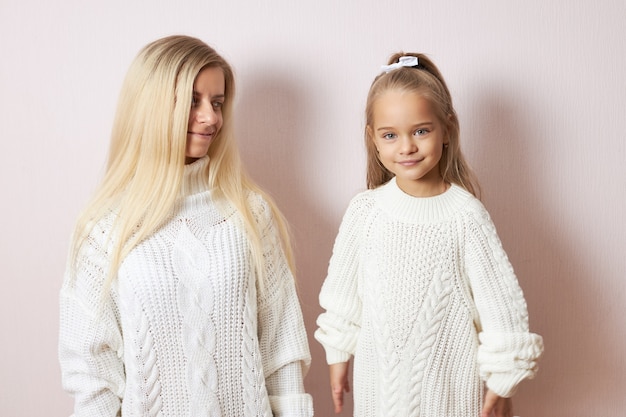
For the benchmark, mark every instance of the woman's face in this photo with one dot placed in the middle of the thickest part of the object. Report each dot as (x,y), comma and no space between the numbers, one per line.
(205,117)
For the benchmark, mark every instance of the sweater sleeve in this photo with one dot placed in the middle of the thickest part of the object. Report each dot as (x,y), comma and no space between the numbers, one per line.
(508,352)
(282,335)
(90,342)
(340,324)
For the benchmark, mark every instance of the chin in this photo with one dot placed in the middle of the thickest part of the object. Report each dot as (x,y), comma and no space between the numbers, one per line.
(196,154)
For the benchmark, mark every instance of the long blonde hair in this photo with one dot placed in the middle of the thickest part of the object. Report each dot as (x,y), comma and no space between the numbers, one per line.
(427,81)
(146,157)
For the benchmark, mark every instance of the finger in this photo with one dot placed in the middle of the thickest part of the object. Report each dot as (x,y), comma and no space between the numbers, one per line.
(337,392)
(489,404)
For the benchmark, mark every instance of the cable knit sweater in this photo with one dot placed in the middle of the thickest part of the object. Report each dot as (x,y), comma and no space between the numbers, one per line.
(421,292)
(185,329)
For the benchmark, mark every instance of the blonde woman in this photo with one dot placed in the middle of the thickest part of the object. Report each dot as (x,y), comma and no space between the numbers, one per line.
(179,298)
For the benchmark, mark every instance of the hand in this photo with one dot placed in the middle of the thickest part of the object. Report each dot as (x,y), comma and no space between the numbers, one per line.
(499,406)
(339,383)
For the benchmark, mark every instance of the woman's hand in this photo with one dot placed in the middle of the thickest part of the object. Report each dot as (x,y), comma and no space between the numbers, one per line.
(339,383)
(496,406)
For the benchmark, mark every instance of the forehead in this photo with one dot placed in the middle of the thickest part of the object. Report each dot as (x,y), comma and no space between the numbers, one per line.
(210,79)
(398,107)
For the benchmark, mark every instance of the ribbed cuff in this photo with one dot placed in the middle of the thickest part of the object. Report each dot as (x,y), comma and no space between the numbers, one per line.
(336,356)
(292,405)
(506,359)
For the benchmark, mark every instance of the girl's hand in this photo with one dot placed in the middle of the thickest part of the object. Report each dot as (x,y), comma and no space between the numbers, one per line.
(499,406)
(339,383)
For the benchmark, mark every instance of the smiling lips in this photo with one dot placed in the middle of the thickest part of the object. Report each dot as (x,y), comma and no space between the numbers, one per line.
(410,162)
(205,135)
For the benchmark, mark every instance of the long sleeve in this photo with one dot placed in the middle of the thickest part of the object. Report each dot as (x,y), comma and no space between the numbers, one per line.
(339,325)
(508,352)
(282,336)
(90,342)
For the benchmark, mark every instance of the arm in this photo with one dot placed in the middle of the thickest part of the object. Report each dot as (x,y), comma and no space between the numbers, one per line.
(285,388)
(340,324)
(90,342)
(282,336)
(508,352)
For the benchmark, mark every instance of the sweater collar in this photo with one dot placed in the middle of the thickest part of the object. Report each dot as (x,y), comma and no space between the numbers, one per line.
(411,209)
(196,177)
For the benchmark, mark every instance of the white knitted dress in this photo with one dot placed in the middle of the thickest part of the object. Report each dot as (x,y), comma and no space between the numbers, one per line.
(421,292)
(185,331)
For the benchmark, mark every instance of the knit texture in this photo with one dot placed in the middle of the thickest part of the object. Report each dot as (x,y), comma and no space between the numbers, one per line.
(421,292)
(186,329)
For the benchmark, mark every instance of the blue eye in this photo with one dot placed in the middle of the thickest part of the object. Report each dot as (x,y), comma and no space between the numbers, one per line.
(421,132)
(389,136)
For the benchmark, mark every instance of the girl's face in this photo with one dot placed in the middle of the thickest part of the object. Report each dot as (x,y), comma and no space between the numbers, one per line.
(410,140)
(205,117)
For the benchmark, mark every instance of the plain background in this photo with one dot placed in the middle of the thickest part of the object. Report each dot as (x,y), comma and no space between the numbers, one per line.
(540,91)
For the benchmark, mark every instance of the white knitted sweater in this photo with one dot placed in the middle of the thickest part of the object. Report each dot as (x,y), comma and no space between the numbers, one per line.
(186,331)
(421,292)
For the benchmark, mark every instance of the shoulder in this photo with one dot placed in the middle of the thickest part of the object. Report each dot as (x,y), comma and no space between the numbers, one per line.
(365,197)
(359,214)
(362,203)
(97,235)
(477,221)
(474,209)
(256,200)
(265,214)
(89,257)
(260,206)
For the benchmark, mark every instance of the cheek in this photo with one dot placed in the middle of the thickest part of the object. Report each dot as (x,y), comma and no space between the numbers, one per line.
(382,151)
(220,120)
(192,116)
(386,157)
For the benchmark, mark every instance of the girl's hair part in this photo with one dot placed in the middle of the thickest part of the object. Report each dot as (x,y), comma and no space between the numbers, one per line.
(146,159)
(426,80)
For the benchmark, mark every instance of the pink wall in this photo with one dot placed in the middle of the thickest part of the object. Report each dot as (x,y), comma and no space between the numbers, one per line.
(541,94)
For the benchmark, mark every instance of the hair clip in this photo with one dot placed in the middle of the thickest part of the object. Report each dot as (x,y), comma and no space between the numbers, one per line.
(404,61)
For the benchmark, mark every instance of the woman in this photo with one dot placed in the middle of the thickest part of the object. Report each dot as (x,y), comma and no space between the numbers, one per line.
(179,298)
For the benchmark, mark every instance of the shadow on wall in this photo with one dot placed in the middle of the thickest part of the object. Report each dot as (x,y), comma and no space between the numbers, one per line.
(559,287)
(275,131)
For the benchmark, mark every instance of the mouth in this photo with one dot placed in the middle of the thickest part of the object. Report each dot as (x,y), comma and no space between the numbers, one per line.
(204,135)
(410,162)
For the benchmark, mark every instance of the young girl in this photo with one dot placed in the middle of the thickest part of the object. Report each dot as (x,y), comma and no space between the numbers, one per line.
(178,298)
(419,288)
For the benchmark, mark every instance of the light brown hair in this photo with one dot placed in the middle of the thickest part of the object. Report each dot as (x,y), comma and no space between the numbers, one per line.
(425,80)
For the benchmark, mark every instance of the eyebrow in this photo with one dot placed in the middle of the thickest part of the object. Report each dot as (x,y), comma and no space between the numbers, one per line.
(218,96)
(422,124)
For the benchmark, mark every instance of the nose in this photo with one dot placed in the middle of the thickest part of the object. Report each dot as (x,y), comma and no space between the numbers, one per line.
(407,144)
(206,114)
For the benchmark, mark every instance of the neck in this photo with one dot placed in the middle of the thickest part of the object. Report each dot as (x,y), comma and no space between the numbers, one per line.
(423,188)
(196,177)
